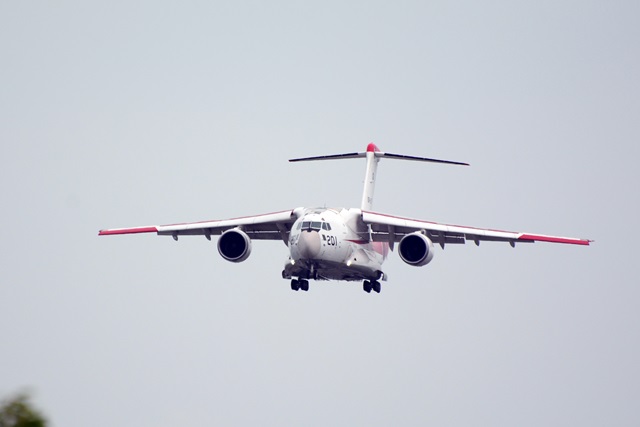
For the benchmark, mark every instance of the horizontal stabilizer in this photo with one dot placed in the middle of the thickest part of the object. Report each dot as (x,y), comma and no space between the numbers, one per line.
(419,159)
(330,157)
(377,154)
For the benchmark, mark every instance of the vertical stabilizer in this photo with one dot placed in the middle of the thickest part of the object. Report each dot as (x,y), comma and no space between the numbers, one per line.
(370,177)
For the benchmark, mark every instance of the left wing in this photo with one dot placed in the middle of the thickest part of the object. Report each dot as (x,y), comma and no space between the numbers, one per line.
(271,226)
(388,228)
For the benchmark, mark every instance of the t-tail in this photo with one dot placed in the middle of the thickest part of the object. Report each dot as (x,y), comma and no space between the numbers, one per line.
(373,156)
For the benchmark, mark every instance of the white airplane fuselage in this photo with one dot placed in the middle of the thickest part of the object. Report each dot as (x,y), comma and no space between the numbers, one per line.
(333,244)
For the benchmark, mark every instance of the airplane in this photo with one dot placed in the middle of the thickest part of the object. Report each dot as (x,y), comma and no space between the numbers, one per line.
(345,244)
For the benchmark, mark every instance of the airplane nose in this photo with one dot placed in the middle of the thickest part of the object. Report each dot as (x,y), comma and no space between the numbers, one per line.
(309,244)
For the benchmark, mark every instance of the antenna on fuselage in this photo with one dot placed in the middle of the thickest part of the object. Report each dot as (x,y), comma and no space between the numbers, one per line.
(373,156)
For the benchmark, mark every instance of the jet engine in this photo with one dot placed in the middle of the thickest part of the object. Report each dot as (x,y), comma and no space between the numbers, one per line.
(416,249)
(234,245)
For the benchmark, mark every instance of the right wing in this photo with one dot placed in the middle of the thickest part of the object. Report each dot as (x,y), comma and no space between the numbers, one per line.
(389,228)
(271,226)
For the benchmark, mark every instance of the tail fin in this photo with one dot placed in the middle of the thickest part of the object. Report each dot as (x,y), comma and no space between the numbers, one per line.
(370,177)
(373,155)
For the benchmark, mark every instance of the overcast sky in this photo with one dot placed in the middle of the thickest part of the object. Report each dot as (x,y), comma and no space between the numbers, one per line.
(116,114)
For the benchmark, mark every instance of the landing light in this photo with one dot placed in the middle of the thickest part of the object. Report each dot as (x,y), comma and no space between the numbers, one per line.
(292,262)
(349,263)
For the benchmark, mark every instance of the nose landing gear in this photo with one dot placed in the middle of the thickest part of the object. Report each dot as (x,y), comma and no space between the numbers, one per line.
(369,285)
(301,284)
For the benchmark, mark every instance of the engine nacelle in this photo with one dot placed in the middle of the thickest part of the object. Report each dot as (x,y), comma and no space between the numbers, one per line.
(416,249)
(234,245)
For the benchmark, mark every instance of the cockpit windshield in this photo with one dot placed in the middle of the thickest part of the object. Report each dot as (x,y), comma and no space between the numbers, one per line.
(314,225)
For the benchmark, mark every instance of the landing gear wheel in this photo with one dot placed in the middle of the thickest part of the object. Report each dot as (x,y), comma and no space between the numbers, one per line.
(295,285)
(366,286)
(304,285)
(376,286)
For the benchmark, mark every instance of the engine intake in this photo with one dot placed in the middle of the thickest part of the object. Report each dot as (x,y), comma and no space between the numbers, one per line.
(234,245)
(416,249)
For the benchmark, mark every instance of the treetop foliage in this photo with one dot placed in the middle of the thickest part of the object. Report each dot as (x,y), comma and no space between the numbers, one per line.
(17,411)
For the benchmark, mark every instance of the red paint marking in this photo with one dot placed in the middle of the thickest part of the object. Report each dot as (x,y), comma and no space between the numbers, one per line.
(382,248)
(372,147)
(128,231)
(554,239)
(358,242)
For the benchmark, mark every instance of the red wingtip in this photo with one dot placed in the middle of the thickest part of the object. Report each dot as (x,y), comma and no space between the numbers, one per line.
(553,239)
(372,147)
(134,230)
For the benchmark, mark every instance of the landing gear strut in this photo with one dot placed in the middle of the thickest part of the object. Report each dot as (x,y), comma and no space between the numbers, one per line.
(369,285)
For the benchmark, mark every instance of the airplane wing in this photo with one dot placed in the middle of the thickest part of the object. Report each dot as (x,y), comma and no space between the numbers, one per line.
(388,228)
(271,226)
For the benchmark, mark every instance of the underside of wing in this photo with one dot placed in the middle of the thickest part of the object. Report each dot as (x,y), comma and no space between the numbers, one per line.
(389,228)
(271,226)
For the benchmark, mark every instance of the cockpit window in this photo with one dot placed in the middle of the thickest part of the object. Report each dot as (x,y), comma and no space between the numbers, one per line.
(314,225)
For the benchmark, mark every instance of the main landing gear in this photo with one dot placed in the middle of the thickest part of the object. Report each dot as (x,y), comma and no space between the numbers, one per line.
(369,285)
(301,284)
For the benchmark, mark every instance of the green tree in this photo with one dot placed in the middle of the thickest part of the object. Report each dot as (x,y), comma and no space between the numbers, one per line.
(18,412)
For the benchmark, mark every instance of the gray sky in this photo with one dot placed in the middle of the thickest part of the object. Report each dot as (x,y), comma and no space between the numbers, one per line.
(120,114)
